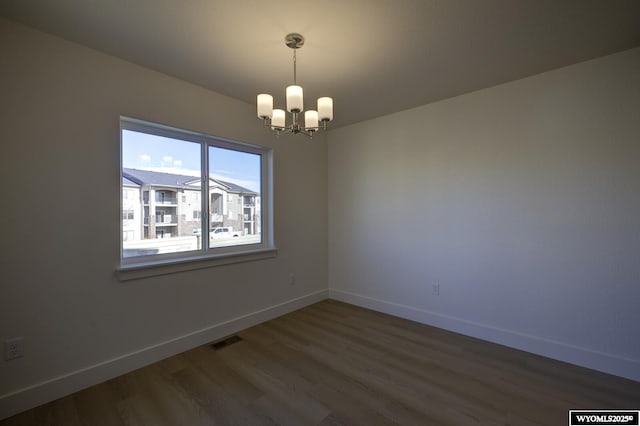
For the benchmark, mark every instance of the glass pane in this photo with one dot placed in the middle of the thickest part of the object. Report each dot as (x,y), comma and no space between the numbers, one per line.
(234,198)
(161,204)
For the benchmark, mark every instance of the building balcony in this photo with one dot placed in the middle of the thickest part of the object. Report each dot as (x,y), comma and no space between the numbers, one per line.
(161,201)
(166,219)
(164,225)
(166,201)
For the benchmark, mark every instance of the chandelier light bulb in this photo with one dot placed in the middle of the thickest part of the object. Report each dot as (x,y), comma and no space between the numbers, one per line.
(278,119)
(311,120)
(294,98)
(325,109)
(265,105)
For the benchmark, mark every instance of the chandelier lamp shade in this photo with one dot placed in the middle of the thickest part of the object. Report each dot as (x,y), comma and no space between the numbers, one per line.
(276,119)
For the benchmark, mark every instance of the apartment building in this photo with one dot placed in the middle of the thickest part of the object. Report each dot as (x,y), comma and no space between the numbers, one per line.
(164,205)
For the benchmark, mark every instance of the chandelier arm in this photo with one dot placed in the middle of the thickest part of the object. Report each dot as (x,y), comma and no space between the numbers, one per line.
(284,132)
(307,134)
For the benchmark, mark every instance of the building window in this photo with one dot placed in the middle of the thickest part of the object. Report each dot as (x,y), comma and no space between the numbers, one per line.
(161,165)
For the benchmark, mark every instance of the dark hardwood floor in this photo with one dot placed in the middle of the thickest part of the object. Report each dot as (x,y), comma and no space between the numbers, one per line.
(337,364)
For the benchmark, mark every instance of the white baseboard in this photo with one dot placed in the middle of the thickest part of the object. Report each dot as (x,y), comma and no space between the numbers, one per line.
(49,390)
(605,362)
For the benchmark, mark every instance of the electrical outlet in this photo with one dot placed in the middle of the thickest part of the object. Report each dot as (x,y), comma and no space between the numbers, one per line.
(435,289)
(292,279)
(13,348)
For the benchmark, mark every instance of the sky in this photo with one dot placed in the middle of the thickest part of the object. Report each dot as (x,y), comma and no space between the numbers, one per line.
(161,154)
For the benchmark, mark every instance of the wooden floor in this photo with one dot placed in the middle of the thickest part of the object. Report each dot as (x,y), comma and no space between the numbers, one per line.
(337,364)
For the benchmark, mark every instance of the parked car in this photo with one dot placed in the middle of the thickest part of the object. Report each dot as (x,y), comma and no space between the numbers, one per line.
(223,232)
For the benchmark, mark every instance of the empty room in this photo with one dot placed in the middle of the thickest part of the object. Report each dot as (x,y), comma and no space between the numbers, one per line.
(359,212)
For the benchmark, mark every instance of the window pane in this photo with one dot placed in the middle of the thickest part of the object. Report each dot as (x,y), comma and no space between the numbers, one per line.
(161,201)
(234,197)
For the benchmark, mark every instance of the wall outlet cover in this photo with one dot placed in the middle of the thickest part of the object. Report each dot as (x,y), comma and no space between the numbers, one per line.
(13,348)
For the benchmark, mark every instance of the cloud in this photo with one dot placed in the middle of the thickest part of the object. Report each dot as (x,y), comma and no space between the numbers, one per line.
(167,159)
(145,157)
(177,163)
(175,170)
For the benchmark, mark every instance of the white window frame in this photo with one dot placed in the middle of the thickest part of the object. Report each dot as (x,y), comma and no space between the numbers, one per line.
(160,264)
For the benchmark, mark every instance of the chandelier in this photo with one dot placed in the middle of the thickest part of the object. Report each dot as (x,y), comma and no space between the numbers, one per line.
(275,119)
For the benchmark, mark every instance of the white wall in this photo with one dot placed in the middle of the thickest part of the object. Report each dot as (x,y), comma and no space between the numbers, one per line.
(61,104)
(522,201)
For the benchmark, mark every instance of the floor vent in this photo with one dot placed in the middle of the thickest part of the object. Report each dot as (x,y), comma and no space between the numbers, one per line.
(226,342)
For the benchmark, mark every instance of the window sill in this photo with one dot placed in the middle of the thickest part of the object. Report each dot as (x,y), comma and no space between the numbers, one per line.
(135,271)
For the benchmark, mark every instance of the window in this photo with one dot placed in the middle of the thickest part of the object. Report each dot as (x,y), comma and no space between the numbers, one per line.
(183,185)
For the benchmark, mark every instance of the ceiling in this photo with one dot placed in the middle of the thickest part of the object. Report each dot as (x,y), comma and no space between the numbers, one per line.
(374,57)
